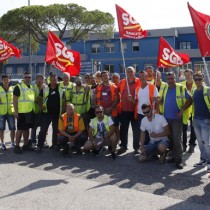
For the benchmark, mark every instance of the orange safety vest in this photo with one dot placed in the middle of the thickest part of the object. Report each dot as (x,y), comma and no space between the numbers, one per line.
(122,88)
(98,96)
(151,95)
(64,117)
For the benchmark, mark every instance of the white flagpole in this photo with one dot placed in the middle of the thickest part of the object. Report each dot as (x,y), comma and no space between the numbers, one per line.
(121,47)
(44,70)
(207,72)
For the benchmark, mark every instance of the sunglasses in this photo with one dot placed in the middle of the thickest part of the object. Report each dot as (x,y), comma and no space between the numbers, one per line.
(147,112)
(198,79)
(99,112)
(27,77)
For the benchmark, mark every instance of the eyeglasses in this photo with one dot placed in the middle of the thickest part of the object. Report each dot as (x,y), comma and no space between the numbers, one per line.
(198,79)
(147,112)
(27,77)
(99,112)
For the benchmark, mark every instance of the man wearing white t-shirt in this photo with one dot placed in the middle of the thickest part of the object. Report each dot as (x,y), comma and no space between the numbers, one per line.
(158,130)
(145,94)
(101,133)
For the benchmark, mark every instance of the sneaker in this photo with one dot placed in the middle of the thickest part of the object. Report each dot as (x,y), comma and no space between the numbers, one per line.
(113,155)
(179,164)
(27,147)
(38,149)
(33,145)
(162,159)
(200,164)
(121,150)
(208,166)
(12,145)
(3,146)
(142,158)
(136,151)
(96,152)
(46,145)
(17,150)
(191,149)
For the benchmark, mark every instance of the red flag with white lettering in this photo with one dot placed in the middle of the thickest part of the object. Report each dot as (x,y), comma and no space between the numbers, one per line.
(7,50)
(62,58)
(128,27)
(201,24)
(167,57)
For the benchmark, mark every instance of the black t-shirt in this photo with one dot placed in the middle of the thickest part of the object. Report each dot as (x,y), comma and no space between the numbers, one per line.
(53,101)
(16,91)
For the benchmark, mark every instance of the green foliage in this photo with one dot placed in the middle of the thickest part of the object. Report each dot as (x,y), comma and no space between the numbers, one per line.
(69,18)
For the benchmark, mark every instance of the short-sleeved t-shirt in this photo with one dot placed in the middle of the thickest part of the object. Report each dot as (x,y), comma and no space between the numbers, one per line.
(143,97)
(101,127)
(170,106)
(201,111)
(156,126)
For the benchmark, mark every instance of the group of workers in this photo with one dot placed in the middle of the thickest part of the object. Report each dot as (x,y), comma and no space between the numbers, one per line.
(95,114)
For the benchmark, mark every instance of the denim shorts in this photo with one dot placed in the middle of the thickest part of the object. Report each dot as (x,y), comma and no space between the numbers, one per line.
(152,148)
(10,120)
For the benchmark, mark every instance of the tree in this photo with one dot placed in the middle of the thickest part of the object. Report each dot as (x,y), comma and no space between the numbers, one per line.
(72,19)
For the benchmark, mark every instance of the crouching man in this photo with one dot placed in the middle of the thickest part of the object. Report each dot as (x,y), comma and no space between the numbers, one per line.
(71,131)
(101,133)
(158,129)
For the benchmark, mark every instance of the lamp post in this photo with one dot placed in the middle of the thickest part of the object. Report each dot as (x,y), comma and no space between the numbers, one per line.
(29,43)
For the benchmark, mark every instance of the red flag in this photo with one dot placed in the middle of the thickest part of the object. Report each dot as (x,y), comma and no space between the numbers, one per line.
(167,57)
(128,27)
(7,50)
(201,24)
(62,58)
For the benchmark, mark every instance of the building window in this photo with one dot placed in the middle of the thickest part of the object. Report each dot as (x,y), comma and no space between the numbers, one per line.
(109,67)
(20,70)
(109,48)
(136,67)
(185,45)
(9,70)
(124,46)
(135,46)
(95,48)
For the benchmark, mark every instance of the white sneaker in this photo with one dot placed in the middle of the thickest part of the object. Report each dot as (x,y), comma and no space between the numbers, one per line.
(3,147)
(12,145)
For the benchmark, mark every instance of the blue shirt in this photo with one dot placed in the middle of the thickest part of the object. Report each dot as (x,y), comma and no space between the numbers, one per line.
(201,111)
(170,106)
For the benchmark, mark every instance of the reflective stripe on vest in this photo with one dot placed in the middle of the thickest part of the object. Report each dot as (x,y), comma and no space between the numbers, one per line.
(26,98)
(6,101)
(162,86)
(99,93)
(122,88)
(80,100)
(64,118)
(94,124)
(37,108)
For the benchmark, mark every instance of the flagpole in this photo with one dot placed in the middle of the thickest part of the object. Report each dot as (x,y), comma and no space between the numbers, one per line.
(124,67)
(207,72)
(44,70)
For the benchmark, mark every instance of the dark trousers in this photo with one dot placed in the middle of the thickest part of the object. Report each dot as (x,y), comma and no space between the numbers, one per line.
(192,134)
(46,120)
(125,119)
(147,138)
(176,138)
(77,144)
(37,123)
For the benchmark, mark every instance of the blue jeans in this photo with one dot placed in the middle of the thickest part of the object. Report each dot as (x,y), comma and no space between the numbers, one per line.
(202,132)
(10,120)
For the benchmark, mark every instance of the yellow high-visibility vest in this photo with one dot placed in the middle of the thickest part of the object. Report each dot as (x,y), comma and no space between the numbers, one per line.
(6,101)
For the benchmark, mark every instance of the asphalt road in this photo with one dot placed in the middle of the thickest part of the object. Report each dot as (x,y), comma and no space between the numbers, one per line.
(51,181)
